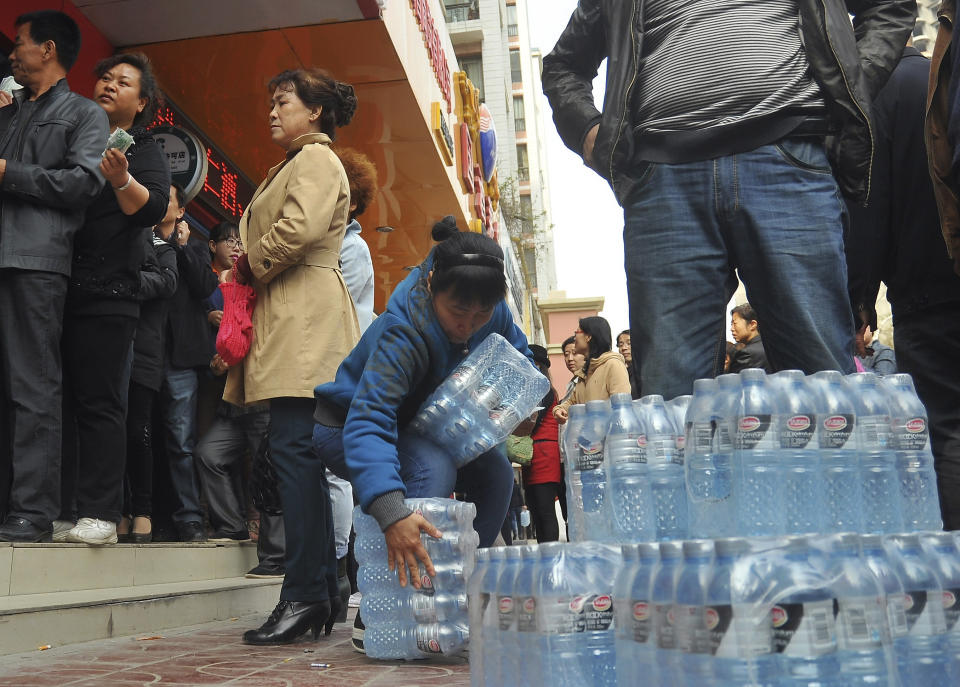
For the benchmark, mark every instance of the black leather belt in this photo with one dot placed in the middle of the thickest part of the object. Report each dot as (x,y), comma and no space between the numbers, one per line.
(814,127)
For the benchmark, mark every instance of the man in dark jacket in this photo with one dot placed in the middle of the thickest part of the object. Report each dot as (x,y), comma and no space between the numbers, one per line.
(50,145)
(722,122)
(897,240)
(745,329)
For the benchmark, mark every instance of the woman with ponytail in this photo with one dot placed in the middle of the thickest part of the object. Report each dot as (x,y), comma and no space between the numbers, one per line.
(434,318)
(304,323)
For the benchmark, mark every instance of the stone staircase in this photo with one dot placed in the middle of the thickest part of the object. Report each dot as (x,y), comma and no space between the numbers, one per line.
(57,594)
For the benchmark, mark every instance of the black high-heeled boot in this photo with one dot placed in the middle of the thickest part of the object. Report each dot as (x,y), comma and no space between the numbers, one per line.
(289,620)
(343,589)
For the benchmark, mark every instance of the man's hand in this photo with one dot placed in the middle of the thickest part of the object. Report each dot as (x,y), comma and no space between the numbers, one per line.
(560,414)
(5,98)
(215,317)
(218,366)
(588,143)
(3,167)
(404,548)
(182,232)
(113,167)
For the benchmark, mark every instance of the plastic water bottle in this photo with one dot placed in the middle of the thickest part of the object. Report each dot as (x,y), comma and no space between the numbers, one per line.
(928,661)
(631,493)
(666,472)
(877,560)
(737,618)
(943,556)
(677,407)
(878,463)
(528,661)
(593,476)
(422,608)
(864,646)
(799,454)
(402,640)
(663,594)
(487,560)
(623,621)
(836,414)
(507,615)
(910,439)
(760,486)
(571,431)
(708,474)
(693,635)
(490,619)
(636,659)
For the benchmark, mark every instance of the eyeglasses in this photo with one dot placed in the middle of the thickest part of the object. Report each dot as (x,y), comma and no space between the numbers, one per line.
(232,242)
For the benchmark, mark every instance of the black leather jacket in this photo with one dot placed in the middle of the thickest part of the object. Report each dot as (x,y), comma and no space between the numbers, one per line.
(53,159)
(850,63)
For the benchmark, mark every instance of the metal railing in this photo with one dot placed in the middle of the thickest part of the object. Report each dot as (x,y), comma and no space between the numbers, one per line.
(461,11)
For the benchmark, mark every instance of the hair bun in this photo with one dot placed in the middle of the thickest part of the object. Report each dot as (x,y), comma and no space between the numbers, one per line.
(346,103)
(445,228)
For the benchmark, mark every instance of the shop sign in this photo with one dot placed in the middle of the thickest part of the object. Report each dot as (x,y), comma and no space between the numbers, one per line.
(484,190)
(441,132)
(438,56)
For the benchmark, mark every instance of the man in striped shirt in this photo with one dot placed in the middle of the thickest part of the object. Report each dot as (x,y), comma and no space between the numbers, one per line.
(728,131)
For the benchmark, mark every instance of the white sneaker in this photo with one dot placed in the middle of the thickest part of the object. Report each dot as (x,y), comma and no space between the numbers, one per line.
(93,531)
(354,600)
(61,528)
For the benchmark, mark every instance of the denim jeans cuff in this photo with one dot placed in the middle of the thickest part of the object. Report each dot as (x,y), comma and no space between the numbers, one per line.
(389,508)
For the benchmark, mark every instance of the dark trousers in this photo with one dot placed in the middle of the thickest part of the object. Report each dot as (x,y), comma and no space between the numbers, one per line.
(31,316)
(543,511)
(270,544)
(928,348)
(219,457)
(140,401)
(311,559)
(96,354)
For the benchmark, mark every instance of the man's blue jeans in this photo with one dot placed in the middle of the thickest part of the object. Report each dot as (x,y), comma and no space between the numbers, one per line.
(775,215)
(487,481)
(179,397)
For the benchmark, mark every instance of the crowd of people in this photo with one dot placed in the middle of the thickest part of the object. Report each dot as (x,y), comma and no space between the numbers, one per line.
(112,307)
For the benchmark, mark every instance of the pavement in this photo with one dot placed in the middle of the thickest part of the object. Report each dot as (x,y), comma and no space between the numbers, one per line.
(212,655)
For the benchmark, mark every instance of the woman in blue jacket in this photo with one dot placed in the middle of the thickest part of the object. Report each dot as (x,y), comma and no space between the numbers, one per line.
(434,318)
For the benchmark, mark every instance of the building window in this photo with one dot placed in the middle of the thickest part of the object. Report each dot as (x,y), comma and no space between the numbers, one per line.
(461,10)
(519,116)
(523,163)
(473,66)
(515,74)
(526,214)
(512,28)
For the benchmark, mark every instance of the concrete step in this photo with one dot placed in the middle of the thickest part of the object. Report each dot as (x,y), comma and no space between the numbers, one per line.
(57,594)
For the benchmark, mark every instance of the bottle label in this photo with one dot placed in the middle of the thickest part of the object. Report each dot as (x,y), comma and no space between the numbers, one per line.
(527,616)
(951,608)
(662,451)
(665,624)
(751,430)
(506,611)
(804,629)
(861,623)
(561,615)
(590,457)
(641,615)
(627,454)
(642,445)
(701,436)
(738,631)
(797,430)
(724,440)
(874,432)
(424,609)
(909,434)
(897,615)
(924,616)
(835,430)
(428,639)
(692,635)
(598,613)
(426,582)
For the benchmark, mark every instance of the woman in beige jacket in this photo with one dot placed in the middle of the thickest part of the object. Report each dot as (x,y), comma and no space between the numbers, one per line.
(304,324)
(605,373)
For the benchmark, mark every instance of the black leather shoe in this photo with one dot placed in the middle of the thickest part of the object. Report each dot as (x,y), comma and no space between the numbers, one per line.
(191,532)
(289,620)
(16,529)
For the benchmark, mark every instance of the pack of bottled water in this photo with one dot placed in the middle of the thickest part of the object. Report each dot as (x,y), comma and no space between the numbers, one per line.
(798,611)
(410,623)
(483,400)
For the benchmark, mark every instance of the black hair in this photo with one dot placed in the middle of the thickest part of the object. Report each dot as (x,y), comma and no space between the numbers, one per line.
(625,331)
(148,82)
(745,311)
(51,25)
(316,88)
(178,189)
(224,230)
(566,342)
(467,264)
(600,340)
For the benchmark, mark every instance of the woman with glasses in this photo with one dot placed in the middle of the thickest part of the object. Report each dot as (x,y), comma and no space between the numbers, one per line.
(605,372)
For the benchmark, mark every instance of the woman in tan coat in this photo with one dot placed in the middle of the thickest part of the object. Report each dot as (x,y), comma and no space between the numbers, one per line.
(605,373)
(304,324)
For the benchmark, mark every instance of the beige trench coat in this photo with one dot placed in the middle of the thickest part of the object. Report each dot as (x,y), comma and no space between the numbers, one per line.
(304,322)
